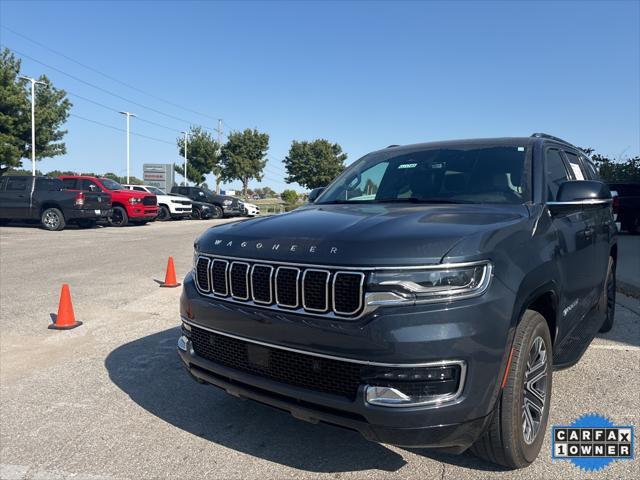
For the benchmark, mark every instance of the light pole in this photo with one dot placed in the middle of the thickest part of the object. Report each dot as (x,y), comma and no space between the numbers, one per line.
(186,141)
(128,115)
(33,121)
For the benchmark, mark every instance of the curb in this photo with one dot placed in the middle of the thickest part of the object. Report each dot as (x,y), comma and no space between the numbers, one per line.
(627,289)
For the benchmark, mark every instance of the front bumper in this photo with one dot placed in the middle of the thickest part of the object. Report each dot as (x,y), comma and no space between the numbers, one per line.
(143,212)
(476,331)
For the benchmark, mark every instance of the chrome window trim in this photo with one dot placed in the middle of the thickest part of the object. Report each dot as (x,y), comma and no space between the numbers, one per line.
(360,292)
(226,280)
(253,298)
(246,280)
(208,289)
(297,286)
(326,290)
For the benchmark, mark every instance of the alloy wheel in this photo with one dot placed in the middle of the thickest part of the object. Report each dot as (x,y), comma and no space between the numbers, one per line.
(51,220)
(535,390)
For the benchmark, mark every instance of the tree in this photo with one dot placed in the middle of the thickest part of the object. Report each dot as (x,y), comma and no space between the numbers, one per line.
(243,157)
(314,164)
(202,155)
(289,196)
(51,111)
(612,170)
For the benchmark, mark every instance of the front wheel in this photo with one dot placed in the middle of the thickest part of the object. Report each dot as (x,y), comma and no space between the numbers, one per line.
(216,212)
(119,217)
(52,219)
(516,432)
(163,214)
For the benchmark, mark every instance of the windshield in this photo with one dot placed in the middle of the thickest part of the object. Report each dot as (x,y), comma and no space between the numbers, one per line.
(110,184)
(478,174)
(155,191)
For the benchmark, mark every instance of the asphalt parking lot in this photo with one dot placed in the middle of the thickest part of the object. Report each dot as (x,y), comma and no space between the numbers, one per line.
(110,399)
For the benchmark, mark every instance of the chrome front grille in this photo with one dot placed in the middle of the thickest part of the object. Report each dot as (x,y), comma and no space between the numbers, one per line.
(295,288)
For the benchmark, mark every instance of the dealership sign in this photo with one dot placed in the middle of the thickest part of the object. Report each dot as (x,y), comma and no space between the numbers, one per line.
(160,175)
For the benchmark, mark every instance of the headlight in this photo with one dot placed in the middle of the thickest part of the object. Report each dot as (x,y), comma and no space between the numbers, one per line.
(430,284)
(226,203)
(134,200)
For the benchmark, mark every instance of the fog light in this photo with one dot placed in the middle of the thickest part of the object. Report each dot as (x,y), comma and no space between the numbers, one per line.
(183,343)
(415,386)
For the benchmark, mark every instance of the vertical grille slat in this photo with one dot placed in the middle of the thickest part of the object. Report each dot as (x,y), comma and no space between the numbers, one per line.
(202,274)
(347,292)
(287,286)
(301,289)
(239,279)
(315,290)
(261,284)
(219,284)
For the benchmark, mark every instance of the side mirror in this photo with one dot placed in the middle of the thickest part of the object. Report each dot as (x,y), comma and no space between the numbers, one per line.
(578,194)
(315,193)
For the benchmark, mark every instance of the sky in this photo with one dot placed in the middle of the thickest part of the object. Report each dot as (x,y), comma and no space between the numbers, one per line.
(362,74)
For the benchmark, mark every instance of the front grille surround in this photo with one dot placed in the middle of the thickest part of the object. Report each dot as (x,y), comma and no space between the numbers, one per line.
(299,288)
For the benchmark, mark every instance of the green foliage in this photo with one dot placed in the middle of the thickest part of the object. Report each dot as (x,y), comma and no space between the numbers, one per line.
(289,196)
(243,156)
(202,155)
(616,171)
(265,192)
(120,180)
(51,111)
(314,164)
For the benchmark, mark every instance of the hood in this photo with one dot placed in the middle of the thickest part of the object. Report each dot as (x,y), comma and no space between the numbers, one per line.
(363,235)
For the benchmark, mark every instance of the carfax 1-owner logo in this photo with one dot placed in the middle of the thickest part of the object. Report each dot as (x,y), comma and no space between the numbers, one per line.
(592,442)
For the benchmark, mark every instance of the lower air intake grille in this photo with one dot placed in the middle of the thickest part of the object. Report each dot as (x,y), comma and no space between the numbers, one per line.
(307,371)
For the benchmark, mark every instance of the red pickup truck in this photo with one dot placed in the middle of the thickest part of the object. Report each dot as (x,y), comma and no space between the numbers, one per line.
(128,206)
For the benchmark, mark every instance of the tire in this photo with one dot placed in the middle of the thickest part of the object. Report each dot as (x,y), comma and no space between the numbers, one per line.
(196,214)
(119,217)
(86,223)
(512,438)
(608,299)
(163,214)
(52,219)
(216,212)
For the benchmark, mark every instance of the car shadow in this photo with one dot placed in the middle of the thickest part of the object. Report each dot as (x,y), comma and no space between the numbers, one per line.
(151,373)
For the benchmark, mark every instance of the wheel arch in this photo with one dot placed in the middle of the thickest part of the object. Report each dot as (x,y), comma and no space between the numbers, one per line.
(50,204)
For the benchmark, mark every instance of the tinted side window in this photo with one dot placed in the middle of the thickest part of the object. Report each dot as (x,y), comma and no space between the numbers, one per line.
(3,183)
(69,183)
(556,173)
(89,186)
(48,184)
(17,184)
(592,172)
(139,189)
(576,168)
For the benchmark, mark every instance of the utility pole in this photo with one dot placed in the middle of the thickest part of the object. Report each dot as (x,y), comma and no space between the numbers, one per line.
(128,115)
(33,121)
(219,130)
(186,140)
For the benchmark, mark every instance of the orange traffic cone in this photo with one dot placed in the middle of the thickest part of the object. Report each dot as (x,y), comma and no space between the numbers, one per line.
(65,320)
(170,278)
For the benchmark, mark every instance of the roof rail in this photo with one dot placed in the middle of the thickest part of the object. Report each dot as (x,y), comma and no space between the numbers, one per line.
(391,146)
(551,137)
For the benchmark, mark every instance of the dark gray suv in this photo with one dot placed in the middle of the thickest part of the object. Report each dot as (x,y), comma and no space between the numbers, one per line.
(423,298)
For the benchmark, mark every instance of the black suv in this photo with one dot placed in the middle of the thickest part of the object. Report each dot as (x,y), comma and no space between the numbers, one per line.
(221,205)
(423,299)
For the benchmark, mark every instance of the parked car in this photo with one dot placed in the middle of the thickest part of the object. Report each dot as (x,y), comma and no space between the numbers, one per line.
(168,207)
(249,209)
(627,205)
(424,299)
(44,199)
(199,210)
(221,205)
(128,206)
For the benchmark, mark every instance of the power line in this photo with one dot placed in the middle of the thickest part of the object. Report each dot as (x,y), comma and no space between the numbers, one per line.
(107,75)
(104,89)
(120,129)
